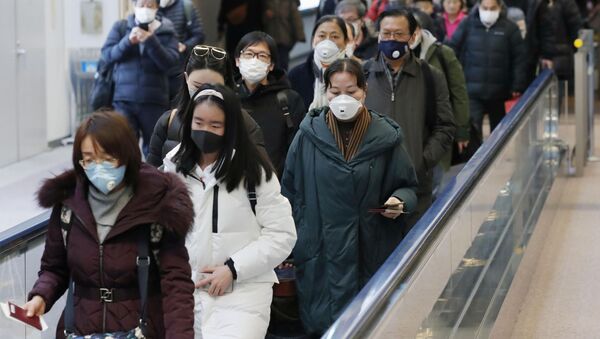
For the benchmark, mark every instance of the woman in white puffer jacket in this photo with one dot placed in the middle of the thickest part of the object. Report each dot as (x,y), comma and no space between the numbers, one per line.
(243,226)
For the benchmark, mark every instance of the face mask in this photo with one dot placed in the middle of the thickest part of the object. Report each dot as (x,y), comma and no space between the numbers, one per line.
(393,49)
(166,3)
(488,18)
(104,176)
(327,52)
(344,107)
(145,15)
(207,142)
(418,39)
(350,50)
(253,70)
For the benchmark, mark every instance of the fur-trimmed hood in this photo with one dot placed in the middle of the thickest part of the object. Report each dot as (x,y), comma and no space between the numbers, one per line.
(159,197)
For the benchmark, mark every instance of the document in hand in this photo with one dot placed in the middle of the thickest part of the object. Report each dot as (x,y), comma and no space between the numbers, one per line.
(16,313)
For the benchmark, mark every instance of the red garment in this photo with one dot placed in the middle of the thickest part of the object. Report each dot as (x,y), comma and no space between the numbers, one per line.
(159,198)
(377,7)
(452,26)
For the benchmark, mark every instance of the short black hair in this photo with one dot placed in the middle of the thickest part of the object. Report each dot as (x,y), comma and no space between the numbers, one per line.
(239,158)
(254,38)
(331,18)
(399,12)
(345,65)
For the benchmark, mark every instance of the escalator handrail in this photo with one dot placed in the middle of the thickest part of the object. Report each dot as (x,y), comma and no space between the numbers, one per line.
(23,232)
(373,297)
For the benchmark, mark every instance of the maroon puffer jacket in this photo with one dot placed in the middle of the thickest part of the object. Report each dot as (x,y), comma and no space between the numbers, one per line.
(159,198)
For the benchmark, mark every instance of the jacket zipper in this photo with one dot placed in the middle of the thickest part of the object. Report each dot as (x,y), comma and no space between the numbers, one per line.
(101,247)
(102,284)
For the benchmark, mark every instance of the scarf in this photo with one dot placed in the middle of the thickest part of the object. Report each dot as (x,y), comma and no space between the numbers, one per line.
(361,124)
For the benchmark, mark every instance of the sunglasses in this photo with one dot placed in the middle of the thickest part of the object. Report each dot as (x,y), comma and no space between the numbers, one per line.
(204,50)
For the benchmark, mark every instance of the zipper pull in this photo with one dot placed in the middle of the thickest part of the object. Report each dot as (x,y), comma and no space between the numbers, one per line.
(393,96)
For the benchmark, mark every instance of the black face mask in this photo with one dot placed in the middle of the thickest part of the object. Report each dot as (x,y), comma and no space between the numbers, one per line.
(207,142)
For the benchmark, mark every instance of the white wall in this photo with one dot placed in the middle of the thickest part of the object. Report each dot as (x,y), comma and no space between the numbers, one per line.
(57,81)
(74,37)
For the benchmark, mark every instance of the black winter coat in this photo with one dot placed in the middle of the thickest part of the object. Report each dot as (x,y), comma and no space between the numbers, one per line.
(302,79)
(494,60)
(264,107)
(142,78)
(567,23)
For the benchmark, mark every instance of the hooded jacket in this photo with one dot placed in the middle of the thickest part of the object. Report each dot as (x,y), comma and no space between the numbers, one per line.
(158,199)
(340,244)
(442,57)
(142,77)
(264,107)
(494,59)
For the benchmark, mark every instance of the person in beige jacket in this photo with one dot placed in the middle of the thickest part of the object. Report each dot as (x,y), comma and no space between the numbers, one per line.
(283,22)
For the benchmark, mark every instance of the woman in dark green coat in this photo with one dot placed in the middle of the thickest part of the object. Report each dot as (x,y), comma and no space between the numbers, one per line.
(344,162)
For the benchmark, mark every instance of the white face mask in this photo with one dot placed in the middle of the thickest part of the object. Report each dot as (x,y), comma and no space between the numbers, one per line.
(327,52)
(344,107)
(145,15)
(488,18)
(253,70)
(166,3)
(418,39)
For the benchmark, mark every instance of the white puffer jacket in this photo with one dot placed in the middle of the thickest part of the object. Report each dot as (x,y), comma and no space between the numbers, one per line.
(256,244)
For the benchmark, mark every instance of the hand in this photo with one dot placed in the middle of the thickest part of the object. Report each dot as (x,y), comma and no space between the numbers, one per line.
(133,37)
(182,47)
(285,265)
(516,94)
(221,278)
(462,145)
(396,208)
(547,63)
(269,14)
(35,306)
(142,34)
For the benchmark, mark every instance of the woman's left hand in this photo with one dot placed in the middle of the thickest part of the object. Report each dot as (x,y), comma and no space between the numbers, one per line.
(220,280)
(394,207)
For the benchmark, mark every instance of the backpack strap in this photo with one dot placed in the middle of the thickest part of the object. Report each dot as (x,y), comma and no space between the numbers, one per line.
(430,105)
(252,196)
(282,100)
(143,271)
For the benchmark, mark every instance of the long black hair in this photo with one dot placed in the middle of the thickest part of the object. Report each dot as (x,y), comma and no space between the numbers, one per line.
(239,158)
(209,61)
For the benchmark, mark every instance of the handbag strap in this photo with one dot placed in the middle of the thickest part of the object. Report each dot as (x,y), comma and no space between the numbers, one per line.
(143,272)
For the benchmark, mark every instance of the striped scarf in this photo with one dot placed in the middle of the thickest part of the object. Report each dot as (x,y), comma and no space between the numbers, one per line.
(356,135)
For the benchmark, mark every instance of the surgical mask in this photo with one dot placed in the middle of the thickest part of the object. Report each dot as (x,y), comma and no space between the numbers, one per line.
(207,142)
(488,18)
(418,39)
(327,52)
(145,15)
(350,50)
(253,70)
(344,107)
(393,49)
(105,176)
(166,3)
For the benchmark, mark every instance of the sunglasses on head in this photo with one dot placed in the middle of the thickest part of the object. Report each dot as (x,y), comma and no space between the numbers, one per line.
(204,50)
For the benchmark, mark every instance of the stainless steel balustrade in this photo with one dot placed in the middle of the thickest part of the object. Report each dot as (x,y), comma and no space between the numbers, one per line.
(449,276)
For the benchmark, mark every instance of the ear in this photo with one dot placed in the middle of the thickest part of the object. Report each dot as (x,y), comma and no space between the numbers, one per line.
(237,62)
(187,77)
(271,67)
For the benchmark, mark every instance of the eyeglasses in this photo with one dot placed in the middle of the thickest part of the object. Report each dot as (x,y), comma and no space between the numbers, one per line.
(86,163)
(393,35)
(204,50)
(262,56)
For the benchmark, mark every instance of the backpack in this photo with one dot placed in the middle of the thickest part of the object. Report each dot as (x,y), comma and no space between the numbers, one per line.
(282,100)
(104,86)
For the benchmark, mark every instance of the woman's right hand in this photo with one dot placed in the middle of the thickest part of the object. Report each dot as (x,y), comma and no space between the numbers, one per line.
(35,306)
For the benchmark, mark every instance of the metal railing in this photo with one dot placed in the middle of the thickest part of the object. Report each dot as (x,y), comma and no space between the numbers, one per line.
(448,233)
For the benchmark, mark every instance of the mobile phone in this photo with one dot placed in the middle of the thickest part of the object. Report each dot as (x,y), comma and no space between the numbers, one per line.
(384,208)
(16,313)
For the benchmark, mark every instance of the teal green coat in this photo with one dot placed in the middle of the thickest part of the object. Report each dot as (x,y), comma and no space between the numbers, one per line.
(340,244)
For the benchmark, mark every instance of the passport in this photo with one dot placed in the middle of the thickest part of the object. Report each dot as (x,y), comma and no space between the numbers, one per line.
(16,313)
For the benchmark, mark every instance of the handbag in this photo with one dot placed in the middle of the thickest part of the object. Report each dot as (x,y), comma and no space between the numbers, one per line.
(104,86)
(143,268)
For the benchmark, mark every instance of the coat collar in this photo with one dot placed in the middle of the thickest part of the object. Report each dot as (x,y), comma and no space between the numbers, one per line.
(410,67)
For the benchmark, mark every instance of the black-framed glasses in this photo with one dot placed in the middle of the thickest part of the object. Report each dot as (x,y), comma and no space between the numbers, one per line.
(262,56)
(204,50)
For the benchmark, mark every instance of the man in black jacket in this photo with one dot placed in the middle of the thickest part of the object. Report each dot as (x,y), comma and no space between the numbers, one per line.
(494,58)
(415,95)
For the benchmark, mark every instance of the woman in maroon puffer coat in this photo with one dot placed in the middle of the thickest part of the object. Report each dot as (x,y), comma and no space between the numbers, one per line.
(113,198)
